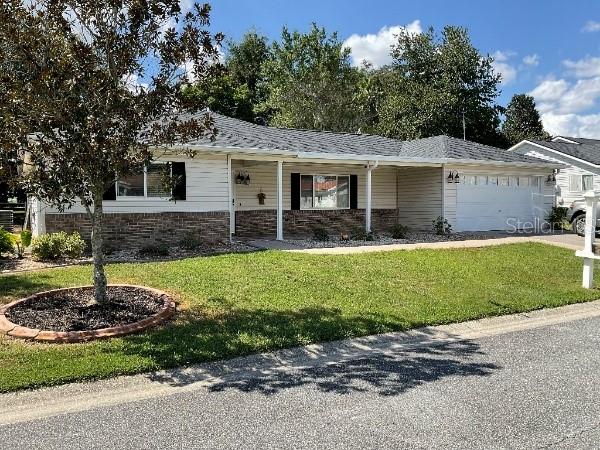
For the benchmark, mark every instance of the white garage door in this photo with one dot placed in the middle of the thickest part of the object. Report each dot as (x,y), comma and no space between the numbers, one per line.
(504,204)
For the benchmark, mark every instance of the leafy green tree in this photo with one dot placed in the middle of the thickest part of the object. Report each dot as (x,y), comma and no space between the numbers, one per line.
(311,83)
(72,111)
(522,120)
(235,87)
(372,86)
(218,92)
(434,82)
(244,63)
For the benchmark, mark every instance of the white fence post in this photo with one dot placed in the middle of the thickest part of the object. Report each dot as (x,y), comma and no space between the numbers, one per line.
(588,253)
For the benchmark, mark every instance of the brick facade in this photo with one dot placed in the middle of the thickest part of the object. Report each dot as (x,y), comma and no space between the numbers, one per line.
(133,230)
(263,223)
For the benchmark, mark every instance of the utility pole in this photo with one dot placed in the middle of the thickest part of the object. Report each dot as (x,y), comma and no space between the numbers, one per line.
(464,126)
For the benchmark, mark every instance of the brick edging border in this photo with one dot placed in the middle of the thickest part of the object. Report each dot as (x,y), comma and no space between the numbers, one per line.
(17,331)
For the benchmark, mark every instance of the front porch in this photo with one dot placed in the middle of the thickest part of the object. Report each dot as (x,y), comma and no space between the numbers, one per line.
(275,199)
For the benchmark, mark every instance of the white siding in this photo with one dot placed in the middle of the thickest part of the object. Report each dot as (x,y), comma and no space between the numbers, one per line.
(206,184)
(263,179)
(564,195)
(419,196)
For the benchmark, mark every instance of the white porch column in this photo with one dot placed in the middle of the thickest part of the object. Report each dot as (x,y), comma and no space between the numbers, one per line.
(230,198)
(368,200)
(280,200)
(588,254)
(38,217)
(370,168)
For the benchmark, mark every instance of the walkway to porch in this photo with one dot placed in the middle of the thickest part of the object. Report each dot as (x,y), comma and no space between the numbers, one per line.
(564,240)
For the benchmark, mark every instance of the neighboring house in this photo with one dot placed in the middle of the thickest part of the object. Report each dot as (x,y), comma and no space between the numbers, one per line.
(258,181)
(581,158)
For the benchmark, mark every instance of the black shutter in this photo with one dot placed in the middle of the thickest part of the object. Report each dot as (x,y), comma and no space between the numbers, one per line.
(179,190)
(110,193)
(353,192)
(295,191)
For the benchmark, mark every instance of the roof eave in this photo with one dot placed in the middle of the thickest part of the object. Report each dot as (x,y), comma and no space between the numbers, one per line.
(566,155)
(392,160)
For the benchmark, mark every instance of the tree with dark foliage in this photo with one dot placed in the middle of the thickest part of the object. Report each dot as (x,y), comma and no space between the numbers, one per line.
(435,82)
(311,83)
(234,88)
(522,120)
(72,113)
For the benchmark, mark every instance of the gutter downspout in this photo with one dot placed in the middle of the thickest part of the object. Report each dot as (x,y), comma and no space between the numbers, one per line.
(370,167)
(230,198)
(443,214)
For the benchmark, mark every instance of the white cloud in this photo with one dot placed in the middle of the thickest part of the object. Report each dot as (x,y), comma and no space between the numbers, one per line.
(581,96)
(186,5)
(187,69)
(586,126)
(563,97)
(549,91)
(376,48)
(569,105)
(503,67)
(134,84)
(531,60)
(584,68)
(591,26)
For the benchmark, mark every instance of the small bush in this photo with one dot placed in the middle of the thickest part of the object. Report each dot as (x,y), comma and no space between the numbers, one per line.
(19,248)
(53,246)
(47,247)
(6,241)
(399,231)
(358,234)
(191,240)
(25,238)
(74,246)
(160,249)
(441,226)
(558,217)
(320,234)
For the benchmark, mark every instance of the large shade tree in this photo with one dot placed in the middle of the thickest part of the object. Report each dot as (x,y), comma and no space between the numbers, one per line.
(437,81)
(244,62)
(235,87)
(72,111)
(522,120)
(311,83)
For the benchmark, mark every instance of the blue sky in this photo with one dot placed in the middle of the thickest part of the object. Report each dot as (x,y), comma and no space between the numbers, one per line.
(550,48)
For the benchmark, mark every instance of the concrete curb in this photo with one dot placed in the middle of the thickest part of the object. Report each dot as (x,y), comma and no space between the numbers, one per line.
(16,331)
(17,407)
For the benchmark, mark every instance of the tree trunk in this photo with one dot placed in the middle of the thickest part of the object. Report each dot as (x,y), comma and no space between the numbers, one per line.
(100,294)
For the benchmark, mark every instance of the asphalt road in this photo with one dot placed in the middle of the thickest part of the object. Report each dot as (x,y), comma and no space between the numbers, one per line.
(537,388)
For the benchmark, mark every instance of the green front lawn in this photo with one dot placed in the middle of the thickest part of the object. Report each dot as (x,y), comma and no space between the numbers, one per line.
(245,303)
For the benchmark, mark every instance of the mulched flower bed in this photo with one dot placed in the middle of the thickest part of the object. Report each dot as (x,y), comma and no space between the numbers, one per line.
(11,264)
(412,237)
(75,309)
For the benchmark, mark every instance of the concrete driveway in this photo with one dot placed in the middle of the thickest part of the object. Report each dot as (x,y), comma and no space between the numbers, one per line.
(569,240)
(526,381)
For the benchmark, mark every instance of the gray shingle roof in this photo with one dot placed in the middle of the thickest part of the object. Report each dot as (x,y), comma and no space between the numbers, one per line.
(235,133)
(582,140)
(588,150)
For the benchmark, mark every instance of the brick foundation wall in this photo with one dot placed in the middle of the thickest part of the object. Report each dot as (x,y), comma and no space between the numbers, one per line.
(263,223)
(133,230)
(256,223)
